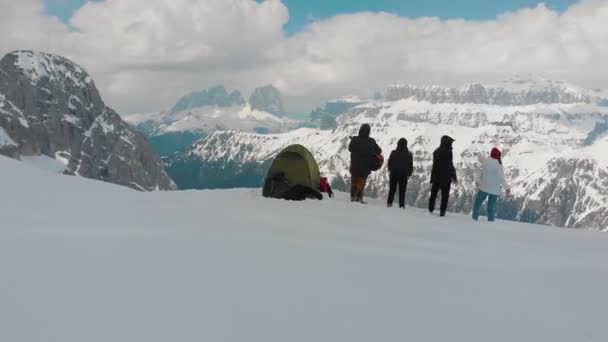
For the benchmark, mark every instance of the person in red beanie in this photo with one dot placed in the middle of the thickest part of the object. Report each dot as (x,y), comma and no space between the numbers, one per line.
(492,183)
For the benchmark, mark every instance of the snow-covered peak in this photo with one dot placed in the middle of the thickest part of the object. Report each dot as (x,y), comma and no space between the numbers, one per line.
(49,105)
(533,83)
(37,66)
(217,109)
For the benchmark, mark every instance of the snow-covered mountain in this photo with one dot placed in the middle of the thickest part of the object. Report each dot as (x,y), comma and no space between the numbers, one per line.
(200,113)
(50,106)
(554,138)
(208,119)
(215,96)
(217,109)
(519,91)
(89,261)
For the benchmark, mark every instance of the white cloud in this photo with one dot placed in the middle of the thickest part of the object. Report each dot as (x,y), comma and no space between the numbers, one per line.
(372,49)
(23,23)
(144,54)
(180,34)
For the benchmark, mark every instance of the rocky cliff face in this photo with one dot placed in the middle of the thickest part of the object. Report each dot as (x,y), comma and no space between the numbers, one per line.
(558,174)
(50,106)
(267,99)
(216,96)
(516,92)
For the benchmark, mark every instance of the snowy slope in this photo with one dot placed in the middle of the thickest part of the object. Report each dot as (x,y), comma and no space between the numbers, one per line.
(554,152)
(120,265)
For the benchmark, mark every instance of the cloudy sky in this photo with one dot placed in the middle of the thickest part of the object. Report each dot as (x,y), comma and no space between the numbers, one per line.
(144,54)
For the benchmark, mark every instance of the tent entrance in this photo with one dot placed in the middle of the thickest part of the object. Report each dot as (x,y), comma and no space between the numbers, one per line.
(294,174)
(294,166)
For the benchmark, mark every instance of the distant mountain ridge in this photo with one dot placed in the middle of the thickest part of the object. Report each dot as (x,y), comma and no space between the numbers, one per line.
(215,96)
(515,92)
(50,106)
(200,113)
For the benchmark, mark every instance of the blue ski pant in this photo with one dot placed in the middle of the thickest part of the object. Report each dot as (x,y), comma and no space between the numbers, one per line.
(479,199)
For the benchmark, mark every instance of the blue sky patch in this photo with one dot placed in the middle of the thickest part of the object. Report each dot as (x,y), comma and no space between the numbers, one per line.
(302,12)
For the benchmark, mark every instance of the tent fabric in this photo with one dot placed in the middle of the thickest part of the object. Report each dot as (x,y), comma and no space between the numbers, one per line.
(293,168)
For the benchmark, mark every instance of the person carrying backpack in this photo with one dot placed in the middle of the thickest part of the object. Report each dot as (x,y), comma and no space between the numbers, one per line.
(400,168)
(363,151)
(443,174)
(491,182)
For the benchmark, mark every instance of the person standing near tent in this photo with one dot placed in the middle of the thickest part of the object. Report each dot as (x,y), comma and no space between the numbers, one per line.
(492,179)
(363,150)
(400,168)
(443,174)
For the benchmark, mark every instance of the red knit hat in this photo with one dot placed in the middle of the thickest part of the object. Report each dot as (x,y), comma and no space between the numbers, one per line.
(495,153)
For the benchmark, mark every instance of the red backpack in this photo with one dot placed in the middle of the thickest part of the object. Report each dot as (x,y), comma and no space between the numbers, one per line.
(377,162)
(324,185)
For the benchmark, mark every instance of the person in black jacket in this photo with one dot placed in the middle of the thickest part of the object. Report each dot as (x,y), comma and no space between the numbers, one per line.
(443,174)
(400,168)
(363,150)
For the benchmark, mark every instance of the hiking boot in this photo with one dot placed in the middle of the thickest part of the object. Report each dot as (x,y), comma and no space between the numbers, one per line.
(401,207)
(390,205)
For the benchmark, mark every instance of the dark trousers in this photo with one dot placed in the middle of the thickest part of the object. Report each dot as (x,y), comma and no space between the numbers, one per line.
(401,182)
(445,195)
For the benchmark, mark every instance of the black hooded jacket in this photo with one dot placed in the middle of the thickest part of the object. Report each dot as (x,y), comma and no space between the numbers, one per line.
(443,172)
(363,150)
(401,161)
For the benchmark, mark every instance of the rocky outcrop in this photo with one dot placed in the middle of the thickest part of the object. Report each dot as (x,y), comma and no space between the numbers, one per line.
(216,96)
(267,99)
(325,118)
(50,106)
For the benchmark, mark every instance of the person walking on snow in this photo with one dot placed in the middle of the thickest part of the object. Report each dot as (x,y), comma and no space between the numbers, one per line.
(443,174)
(363,150)
(492,179)
(400,168)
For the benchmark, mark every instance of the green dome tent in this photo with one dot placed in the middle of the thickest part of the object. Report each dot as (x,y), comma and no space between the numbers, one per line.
(294,174)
